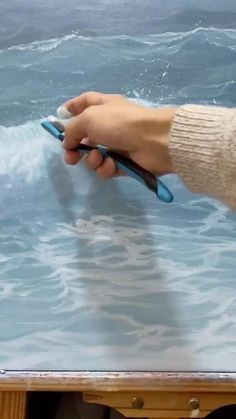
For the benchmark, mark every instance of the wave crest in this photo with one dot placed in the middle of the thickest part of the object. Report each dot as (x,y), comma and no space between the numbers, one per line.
(24,150)
(153,39)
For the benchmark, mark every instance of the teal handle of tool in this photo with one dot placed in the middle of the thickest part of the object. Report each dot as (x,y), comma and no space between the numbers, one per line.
(135,171)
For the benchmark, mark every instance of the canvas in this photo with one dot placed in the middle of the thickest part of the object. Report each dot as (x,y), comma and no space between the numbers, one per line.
(100,275)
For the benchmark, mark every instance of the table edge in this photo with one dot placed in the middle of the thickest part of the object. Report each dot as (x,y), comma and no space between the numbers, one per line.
(116,381)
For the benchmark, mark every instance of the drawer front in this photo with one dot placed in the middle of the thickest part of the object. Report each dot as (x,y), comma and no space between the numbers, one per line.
(161,404)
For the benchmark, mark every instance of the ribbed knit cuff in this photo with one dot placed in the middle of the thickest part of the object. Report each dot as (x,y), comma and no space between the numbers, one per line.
(199,144)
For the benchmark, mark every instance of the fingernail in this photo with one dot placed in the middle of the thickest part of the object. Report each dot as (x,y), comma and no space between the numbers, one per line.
(62,112)
(51,118)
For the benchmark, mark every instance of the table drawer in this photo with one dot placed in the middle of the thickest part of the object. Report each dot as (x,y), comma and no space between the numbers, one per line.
(161,404)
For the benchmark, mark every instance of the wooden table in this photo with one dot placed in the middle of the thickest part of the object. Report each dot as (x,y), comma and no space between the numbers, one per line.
(149,395)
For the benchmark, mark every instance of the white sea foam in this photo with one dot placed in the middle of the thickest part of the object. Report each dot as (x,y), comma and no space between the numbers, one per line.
(25,149)
(227,36)
(43,46)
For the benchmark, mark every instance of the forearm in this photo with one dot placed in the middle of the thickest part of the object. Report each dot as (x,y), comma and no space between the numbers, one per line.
(203,150)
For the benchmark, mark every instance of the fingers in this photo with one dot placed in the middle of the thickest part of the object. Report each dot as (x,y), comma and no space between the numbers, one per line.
(72,157)
(82,102)
(93,160)
(75,131)
(79,128)
(105,168)
(78,104)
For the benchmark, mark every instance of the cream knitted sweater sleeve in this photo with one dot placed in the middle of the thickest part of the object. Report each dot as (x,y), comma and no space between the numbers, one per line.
(203,150)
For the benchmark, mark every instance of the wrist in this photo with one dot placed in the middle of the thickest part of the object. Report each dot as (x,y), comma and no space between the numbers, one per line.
(163,118)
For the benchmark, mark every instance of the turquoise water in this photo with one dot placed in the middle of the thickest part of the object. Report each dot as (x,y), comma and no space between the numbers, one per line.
(101,275)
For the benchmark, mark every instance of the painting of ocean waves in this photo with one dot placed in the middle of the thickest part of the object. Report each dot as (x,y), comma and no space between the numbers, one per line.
(99,275)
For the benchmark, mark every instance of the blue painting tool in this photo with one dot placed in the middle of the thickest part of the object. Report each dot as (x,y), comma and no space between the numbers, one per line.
(127,165)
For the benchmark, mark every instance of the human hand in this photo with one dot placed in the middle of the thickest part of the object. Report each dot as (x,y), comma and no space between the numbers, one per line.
(140,133)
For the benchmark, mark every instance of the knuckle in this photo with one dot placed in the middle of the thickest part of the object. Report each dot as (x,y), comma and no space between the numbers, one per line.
(90,164)
(105,172)
(93,160)
(72,105)
(117,96)
(89,96)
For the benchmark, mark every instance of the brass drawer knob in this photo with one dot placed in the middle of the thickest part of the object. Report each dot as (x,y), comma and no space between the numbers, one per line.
(194,403)
(137,402)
